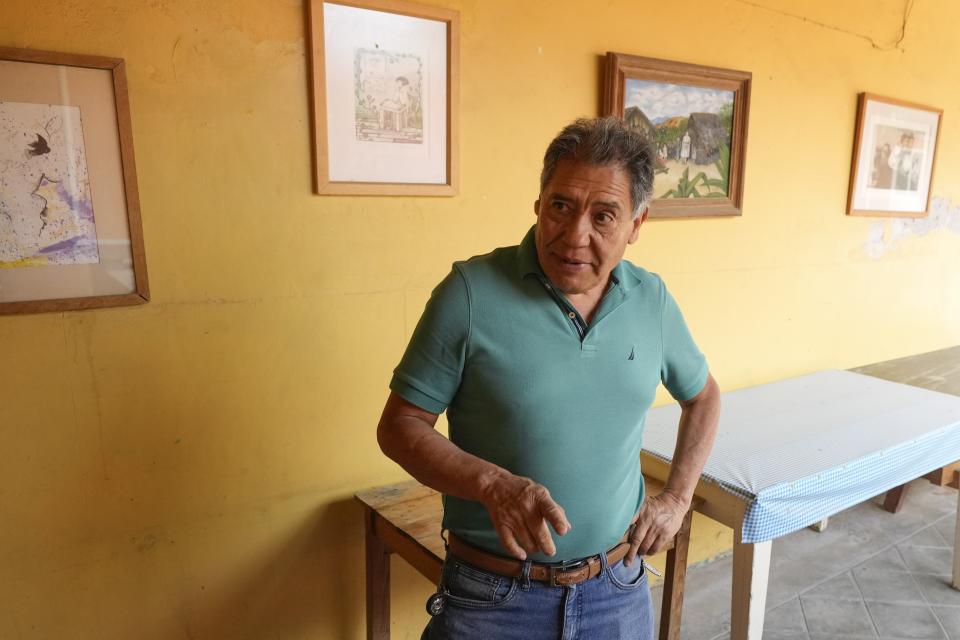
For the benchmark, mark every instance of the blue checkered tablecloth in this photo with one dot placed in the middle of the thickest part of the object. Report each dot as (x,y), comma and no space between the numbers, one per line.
(799,450)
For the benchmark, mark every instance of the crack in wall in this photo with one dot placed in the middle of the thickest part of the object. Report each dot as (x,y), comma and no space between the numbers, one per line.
(894,46)
(882,238)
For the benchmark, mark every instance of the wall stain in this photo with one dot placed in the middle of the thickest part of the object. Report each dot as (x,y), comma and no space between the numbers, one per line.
(173,59)
(148,542)
(884,235)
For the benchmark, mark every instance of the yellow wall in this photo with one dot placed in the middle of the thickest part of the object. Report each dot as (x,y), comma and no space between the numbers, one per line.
(184,469)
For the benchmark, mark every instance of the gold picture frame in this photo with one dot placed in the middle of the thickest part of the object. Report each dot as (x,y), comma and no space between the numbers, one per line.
(385,97)
(70,229)
(894,157)
(701,129)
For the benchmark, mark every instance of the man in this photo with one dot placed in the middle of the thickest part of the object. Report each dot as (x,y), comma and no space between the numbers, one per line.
(905,162)
(546,357)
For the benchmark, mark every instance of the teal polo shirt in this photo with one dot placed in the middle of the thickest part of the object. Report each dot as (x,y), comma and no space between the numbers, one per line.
(528,386)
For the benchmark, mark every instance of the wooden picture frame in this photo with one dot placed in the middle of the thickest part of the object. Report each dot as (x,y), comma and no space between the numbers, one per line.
(701,129)
(894,155)
(70,230)
(385,91)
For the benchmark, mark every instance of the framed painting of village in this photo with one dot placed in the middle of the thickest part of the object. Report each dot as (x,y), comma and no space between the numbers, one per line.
(70,232)
(384,79)
(894,151)
(695,119)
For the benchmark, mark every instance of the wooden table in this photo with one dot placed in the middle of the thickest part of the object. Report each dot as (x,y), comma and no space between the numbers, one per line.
(405,519)
(938,371)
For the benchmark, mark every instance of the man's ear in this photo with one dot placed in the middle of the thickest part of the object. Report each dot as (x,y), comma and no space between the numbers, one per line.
(639,220)
(536,208)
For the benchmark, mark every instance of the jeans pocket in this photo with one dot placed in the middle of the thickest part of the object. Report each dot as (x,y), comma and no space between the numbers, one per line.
(468,586)
(624,577)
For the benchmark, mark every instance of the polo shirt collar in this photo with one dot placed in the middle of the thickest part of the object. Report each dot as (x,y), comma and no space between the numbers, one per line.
(528,263)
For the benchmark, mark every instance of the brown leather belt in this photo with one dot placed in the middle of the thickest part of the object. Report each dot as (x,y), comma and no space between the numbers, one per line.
(561,574)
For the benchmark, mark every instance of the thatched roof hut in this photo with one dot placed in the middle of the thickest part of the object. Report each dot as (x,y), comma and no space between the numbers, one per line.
(707,136)
(638,120)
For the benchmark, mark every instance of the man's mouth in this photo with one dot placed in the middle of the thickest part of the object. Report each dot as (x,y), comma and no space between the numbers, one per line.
(572,263)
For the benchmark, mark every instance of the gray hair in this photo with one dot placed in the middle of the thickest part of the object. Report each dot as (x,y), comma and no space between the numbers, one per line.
(603,141)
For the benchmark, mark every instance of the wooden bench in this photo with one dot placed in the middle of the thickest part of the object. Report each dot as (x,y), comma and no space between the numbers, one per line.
(405,519)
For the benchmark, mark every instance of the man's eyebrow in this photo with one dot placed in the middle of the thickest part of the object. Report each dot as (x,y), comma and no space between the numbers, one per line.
(612,204)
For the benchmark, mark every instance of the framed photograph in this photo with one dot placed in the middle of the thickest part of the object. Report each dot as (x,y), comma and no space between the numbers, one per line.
(695,119)
(384,77)
(70,233)
(894,152)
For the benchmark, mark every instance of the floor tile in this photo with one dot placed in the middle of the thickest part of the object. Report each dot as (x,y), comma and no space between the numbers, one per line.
(842,586)
(947,540)
(784,635)
(887,586)
(786,617)
(928,537)
(937,589)
(932,560)
(905,621)
(946,527)
(889,560)
(830,615)
(950,619)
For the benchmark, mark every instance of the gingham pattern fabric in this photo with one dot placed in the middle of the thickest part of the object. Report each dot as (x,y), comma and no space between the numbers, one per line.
(799,450)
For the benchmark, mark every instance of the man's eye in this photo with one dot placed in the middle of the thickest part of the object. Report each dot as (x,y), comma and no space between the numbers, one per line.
(605,217)
(560,206)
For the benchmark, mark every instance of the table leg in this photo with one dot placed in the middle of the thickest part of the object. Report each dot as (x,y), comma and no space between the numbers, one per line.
(956,548)
(894,499)
(378,581)
(673,584)
(751,571)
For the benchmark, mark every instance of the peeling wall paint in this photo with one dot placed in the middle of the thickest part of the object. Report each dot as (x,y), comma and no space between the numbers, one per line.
(884,235)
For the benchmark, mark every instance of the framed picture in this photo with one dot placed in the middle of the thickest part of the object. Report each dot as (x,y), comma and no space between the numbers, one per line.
(385,97)
(695,119)
(70,233)
(894,152)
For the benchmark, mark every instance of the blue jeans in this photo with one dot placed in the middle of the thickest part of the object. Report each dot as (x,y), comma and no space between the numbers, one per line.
(478,605)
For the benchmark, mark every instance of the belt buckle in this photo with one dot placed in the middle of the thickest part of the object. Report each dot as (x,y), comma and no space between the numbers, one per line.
(564,567)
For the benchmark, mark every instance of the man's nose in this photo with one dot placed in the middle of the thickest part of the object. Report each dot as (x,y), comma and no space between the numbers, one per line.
(577,232)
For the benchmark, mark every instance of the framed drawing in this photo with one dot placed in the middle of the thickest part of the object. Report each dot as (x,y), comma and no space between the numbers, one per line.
(70,233)
(894,152)
(695,119)
(384,79)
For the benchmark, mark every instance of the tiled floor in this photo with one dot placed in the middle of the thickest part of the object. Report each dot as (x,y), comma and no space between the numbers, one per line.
(871,574)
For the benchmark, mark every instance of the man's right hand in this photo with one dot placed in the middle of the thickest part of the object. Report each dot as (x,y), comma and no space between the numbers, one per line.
(520,510)
(519,507)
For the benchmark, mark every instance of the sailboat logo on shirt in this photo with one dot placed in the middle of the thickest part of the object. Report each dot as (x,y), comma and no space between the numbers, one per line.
(630,357)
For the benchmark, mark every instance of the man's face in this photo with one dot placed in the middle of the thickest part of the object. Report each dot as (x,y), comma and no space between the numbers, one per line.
(584,225)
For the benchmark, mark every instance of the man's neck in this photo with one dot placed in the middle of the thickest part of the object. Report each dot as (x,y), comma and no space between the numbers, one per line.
(587,302)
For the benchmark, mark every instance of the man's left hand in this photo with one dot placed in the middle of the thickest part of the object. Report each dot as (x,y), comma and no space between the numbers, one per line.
(657,523)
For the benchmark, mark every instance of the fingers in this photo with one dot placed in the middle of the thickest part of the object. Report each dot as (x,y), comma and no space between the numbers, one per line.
(634,549)
(509,542)
(542,536)
(555,515)
(521,510)
(526,540)
(647,546)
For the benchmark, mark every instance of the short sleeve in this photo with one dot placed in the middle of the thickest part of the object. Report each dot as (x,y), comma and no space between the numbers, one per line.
(429,373)
(683,367)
